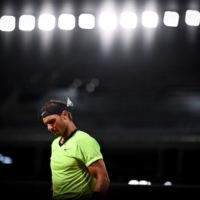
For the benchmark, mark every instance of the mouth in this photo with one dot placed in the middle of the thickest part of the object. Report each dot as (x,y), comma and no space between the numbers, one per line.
(56,132)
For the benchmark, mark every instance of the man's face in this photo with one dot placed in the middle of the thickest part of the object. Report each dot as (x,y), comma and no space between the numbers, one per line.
(56,124)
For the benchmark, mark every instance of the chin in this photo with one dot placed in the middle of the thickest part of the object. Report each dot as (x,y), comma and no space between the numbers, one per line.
(57,134)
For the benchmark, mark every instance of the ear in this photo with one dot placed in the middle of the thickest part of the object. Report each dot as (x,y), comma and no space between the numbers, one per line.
(65,114)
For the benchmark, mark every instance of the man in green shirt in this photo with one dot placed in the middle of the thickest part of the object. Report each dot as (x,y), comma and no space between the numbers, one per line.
(77,165)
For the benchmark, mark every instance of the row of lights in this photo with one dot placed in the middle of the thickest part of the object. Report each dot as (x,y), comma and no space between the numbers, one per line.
(145,182)
(128,20)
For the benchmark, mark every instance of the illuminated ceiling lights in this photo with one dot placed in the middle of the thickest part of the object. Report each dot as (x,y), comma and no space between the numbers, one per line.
(66,22)
(107,21)
(171,19)
(128,20)
(46,22)
(26,23)
(149,19)
(86,21)
(7,23)
(192,18)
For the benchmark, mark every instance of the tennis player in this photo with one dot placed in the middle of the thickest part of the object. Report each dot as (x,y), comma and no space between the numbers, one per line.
(78,170)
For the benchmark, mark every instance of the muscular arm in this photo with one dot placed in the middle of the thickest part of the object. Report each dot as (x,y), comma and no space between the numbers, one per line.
(98,170)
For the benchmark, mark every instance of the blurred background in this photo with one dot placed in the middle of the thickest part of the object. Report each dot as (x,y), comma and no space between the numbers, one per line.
(131,69)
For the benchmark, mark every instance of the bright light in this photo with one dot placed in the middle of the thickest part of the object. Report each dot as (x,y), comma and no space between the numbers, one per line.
(107,21)
(1,157)
(133,182)
(168,183)
(5,159)
(7,23)
(46,22)
(136,182)
(192,18)
(149,19)
(86,21)
(66,22)
(144,182)
(171,18)
(26,22)
(128,20)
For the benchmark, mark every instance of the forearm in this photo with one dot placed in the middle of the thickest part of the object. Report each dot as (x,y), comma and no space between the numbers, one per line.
(98,170)
(102,185)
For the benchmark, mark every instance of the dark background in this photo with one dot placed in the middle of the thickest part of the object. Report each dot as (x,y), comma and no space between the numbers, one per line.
(144,112)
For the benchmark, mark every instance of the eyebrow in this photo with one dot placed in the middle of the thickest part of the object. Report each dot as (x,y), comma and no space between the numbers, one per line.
(48,121)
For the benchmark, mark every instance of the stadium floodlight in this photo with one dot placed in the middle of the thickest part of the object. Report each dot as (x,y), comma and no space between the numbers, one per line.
(133,182)
(66,21)
(46,22)
(26,22)
(192,18)
(171,19)
(149,19)
(107,21)
(7,23)
(128,20)
(86,21)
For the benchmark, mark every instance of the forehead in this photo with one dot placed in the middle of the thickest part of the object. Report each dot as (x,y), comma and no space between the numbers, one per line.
(49,118)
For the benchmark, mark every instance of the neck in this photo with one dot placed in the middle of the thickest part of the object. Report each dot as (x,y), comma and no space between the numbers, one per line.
(63,140)
(68,132)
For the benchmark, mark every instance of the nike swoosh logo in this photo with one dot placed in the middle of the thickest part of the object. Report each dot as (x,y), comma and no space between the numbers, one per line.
(43,113)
